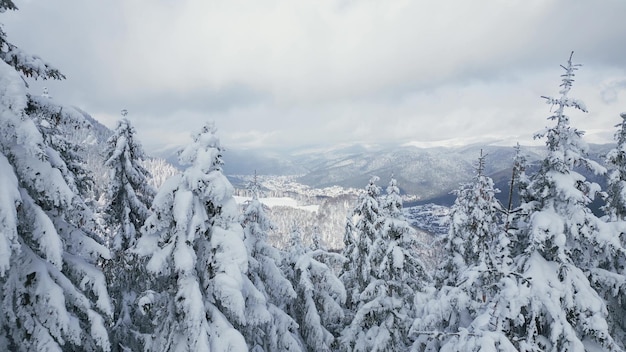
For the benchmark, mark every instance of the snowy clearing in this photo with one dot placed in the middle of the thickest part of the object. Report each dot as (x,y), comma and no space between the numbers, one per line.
(280,202)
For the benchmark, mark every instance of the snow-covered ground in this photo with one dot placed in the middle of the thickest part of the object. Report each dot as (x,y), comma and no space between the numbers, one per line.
(272,202)
(290,203)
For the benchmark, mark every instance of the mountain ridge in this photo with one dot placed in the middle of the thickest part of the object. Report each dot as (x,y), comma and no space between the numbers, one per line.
(428,173)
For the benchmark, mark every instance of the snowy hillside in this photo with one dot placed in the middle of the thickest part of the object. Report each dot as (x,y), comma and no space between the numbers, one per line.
(289,201)
(325,209)
(91,136)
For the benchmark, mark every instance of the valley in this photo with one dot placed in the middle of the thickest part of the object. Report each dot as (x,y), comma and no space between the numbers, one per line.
(324,210)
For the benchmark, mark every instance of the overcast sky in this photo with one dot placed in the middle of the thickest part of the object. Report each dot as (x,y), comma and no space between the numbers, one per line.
(321,72)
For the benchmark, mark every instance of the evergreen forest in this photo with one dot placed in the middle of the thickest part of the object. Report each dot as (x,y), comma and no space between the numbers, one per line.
(131,266)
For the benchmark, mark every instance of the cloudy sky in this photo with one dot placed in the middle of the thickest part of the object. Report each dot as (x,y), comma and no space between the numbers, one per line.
(284,73)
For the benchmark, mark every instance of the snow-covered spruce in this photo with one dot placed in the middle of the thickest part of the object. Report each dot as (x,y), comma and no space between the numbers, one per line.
(128,199)
(385,310)
(196,249)
(358,241)
(31,66)
(53,295)
(560,242)
(456,314)
(129,194)
(615,207)
(273,329)
(58,124)
(318,308)
(610,279)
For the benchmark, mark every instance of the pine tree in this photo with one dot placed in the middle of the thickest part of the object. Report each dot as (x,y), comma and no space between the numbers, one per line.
(320,294)
(555,306)
(610,279)
(30,66)
(195,243)
(401,265)
(559,188)
(129,196)
(58,123)
(316,240)
(459,314)
(53,295)
(615,207)
(274,329)
(386,310)
(517,187)
(474,221)
(358,240)
(348,274)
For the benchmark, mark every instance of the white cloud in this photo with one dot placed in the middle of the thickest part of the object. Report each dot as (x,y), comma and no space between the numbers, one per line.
(280,72)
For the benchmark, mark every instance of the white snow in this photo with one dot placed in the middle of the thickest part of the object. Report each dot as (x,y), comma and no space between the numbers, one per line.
(279,202)
(9,200)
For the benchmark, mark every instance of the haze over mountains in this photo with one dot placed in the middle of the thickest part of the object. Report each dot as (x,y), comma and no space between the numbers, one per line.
(428,173)
(425,175)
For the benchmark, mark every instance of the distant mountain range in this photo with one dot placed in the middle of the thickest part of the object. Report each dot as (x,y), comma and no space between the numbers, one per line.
(429,173)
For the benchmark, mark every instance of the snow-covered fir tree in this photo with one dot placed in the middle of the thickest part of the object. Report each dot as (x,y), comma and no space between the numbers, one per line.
(274,329)
(129,195)
(520,179)
(358,240)
(196,248)
(615,207)
(474,221)
(555,308)
(612,283)
(316,240)
(385,311)
(53,295)
(456,314)
(31,66)
(57,124)
(128,199)
(318,307)
(349,244)
(517,187)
